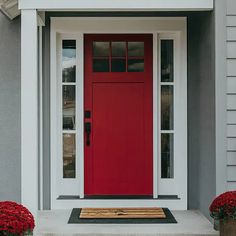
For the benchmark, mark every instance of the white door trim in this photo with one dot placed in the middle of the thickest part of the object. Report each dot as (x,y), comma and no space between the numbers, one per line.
(175,28)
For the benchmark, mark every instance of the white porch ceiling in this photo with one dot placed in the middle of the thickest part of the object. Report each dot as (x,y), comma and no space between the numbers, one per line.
(109,5)
(11,8)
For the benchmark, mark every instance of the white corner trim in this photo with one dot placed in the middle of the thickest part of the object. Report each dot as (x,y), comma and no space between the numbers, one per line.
(118,5)
(29,110)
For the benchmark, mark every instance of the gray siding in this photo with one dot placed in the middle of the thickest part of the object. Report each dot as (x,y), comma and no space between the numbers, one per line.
(201,112)
(231,94)
(10,175)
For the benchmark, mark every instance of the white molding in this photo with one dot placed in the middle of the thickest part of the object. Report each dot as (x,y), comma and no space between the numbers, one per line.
(40,72)
(118,5)
(155,116)
(76,27)
(29,110)
(178,184)
(53,112)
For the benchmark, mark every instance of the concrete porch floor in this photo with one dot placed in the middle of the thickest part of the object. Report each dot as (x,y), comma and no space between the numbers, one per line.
(190,223)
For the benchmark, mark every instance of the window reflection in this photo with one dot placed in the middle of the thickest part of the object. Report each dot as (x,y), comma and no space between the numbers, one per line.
(101,49)
(135,49)
(167,156)
(118,49)
(135,65)
(69,155)
(69,60)
(69,107)
(167,107)
(167,61)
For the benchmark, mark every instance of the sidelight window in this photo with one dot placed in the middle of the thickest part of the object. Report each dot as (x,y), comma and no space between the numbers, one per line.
(69,108)
(167,108)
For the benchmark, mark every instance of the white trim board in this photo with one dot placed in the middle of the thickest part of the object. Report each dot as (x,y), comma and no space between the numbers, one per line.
(29,110)
(161,27)
(118,5)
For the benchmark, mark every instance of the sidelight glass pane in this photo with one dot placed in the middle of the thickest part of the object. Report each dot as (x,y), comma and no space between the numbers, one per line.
(100,65)
(167,107)
(68,60)
(135,65)
(135,49)
(118,49)
(69,155)
(68,107)
(118,65)
(101,49)
(167,156)
(167,61)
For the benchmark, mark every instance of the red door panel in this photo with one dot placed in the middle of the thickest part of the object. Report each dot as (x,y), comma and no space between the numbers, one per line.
(118,160)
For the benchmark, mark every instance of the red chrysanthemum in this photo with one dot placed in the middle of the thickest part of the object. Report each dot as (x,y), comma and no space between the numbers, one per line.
(224,206)
(15,219)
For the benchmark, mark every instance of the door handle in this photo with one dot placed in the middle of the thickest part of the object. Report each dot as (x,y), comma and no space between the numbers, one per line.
(87,128)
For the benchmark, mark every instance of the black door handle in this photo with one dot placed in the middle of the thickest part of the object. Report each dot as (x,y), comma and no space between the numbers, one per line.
(87,128)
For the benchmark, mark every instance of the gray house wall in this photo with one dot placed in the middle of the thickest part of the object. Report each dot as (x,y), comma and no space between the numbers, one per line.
(201,111)
(10,171)
(231,94)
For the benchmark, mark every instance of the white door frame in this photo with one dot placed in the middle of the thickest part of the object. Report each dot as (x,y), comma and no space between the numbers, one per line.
(161,28)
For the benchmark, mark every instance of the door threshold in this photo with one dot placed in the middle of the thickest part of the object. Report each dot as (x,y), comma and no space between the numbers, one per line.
(118,197)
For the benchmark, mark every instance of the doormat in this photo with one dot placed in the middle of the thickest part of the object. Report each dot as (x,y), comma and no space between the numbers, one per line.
(121,216)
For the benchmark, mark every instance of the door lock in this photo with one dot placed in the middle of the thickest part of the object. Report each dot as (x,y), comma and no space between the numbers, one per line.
(87,128)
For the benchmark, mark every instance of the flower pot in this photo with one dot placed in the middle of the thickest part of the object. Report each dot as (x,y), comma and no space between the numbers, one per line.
(216,225)
(228,227)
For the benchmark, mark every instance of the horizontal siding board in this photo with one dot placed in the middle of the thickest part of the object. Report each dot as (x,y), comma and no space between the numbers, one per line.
(231,49)
(231,130)
(231,7)
(231,186)
(231,117)
(231,33)
(231,102)
(231,20)
(231,172)
(231,144)
(231,67)
(231,158)
(231,86)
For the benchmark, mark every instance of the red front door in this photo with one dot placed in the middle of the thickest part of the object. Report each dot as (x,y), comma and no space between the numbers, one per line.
(118,115)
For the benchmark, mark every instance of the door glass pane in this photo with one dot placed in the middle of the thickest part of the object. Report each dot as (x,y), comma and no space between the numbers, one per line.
(167,156)
(118,49)
(118,65)
(167,107)
(68,60)
(101,49)
(68,107)
(69,155)
(167,61)
(100,65)
(135,49)
(135,65)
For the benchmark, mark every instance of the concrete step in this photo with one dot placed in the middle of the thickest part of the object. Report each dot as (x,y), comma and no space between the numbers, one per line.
(190,223)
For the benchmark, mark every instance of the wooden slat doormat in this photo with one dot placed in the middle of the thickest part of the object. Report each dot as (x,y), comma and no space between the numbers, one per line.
(121,216)
(122,213)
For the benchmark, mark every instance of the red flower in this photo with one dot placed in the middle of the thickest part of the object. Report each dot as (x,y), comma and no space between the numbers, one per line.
(224,206)
(15,219)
